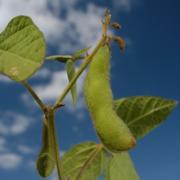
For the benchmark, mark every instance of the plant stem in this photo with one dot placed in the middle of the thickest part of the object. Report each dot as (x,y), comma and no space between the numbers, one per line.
(55,146)
(79,72)
(34,95)
(52,109)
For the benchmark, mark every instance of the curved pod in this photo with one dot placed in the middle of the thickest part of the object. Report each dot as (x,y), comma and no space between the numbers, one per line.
(45,163)
(113,132)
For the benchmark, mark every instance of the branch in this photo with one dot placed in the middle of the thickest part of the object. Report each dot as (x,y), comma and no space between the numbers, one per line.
(55,146)
(34,95)
(79,72)
(88,59)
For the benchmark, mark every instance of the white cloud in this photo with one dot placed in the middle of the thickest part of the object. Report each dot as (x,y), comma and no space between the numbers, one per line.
(78,28)
(24,149)
(52,89)
(4,79)
(124,5)
(83,28)
(42,74)
(38,10)
(10,161)
(2,144)
(12,123)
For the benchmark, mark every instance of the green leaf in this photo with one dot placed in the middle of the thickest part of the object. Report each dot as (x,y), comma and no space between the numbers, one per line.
(121,168)
(143,113)
(60,58)
(22,49)
(70,68)
(83,161)
(78,53)
(65,58)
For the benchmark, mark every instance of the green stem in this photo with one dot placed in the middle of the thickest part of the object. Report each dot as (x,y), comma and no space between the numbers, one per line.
(79,72)
(55,146)
(34,95)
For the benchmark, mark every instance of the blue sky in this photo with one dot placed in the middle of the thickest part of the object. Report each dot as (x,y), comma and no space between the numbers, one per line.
(150,66)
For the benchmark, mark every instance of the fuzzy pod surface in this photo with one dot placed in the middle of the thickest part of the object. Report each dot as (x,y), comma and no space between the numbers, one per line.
(112,131)
(45,163)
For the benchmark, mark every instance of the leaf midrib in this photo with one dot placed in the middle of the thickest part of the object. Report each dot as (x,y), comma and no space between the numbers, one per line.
(146,114)
(79,152)
(7,37)
(91,157)
(20,57)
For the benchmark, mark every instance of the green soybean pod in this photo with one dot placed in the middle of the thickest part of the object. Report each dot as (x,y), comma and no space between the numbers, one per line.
(45,163)
(112,131)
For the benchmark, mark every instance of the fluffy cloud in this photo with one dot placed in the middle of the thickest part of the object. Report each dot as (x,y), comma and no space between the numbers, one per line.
(12,123)
(77,27)
(55,85)
(123,5)
(24,149)
(38,10)
(51,90)
(42,74)
(2,144)
(10,161)
(4,79)
(58,81)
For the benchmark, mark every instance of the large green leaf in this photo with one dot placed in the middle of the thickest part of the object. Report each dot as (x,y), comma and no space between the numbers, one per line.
(83,161)
(121,168)
(143,113)
(70,68)
(22,49)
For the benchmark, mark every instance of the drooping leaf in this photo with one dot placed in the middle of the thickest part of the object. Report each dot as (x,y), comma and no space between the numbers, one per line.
(65,58)
(120,167)
(22,49)
(78,53)
(60,58)
(70,68)
(143,113)
(83,161)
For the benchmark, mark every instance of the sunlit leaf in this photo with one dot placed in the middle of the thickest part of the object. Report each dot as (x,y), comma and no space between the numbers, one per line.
(83,161)
(22,49)
(143,113)
(121,168)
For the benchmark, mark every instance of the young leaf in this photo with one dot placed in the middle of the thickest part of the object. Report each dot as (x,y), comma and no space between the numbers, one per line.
(121,168)
(60,58)
(71,72)
(143,113)
(65,58)
(22,49)
(78,54)
(83,161)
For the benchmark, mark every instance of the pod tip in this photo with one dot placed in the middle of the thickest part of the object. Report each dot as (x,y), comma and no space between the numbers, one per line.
(133,142)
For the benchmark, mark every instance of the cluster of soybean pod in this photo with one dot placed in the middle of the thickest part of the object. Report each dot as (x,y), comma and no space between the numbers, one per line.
(111,129)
